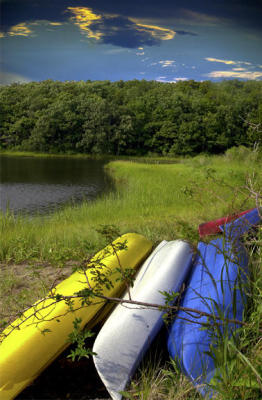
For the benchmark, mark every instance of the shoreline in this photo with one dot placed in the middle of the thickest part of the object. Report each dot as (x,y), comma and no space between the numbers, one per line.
(160,201)
(107,157)
(193,192)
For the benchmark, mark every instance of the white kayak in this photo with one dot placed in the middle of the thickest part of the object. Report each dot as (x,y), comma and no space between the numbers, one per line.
(130,329)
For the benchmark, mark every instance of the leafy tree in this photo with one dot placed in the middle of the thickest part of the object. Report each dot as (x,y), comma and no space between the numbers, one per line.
(133,117)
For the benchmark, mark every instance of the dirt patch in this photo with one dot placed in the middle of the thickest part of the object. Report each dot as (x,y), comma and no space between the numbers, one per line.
(22,285)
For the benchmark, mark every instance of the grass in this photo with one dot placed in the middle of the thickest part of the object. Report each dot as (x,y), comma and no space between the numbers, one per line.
(156,381)
(149,159)
(160,201)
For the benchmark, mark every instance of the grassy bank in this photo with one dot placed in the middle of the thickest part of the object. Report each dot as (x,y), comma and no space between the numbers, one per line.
(161,202)
(149,159)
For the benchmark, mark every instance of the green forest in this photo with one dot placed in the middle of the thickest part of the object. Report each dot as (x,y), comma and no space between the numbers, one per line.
(130,117)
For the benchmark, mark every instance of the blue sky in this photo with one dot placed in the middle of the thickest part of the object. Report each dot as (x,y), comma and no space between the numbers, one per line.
(168,40)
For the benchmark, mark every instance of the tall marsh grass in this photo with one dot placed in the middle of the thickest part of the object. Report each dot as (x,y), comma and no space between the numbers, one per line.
(160,201)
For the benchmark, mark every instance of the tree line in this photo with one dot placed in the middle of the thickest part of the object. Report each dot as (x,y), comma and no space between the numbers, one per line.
(135,117)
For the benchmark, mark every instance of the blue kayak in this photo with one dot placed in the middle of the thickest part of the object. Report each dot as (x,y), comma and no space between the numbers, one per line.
(216,286)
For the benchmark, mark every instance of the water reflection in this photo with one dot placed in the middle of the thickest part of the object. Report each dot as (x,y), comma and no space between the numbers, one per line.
(40,185)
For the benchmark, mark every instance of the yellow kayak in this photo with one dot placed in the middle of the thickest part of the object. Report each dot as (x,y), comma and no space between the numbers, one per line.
(44,328)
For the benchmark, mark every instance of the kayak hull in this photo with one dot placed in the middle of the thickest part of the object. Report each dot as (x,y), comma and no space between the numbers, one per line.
(213,227)
(130,329)
(216,285)
(44,328)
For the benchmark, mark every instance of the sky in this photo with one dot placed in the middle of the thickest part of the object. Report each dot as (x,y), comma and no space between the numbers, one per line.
(162,40)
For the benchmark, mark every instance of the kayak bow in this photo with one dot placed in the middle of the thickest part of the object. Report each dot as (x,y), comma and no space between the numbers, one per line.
(26,351)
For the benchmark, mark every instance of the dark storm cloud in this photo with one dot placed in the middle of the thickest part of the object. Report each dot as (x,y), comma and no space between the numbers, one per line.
(122,32)
(103,27)
(17,11)
(244,12)
(186,33)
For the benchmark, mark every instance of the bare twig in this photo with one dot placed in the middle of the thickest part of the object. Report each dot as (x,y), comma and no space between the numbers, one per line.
(254,194)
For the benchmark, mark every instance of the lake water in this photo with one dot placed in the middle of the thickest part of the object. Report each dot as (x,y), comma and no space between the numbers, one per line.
(36,185)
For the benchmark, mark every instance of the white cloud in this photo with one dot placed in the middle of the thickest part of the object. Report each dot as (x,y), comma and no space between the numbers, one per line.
(21,29)
(144,25)
(7,78)
(27,29)
(167,80)
(227,62)
(84,17)
(180,79)
(240,70)
(235,74)
(166,63)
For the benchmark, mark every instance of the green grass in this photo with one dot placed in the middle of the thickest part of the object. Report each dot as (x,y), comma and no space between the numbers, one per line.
(158,381)
(154,159)
(161,201)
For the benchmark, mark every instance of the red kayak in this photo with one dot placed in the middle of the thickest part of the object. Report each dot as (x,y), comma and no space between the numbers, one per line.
(212,227)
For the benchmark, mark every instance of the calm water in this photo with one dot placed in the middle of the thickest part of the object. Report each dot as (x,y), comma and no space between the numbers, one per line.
(32,185)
